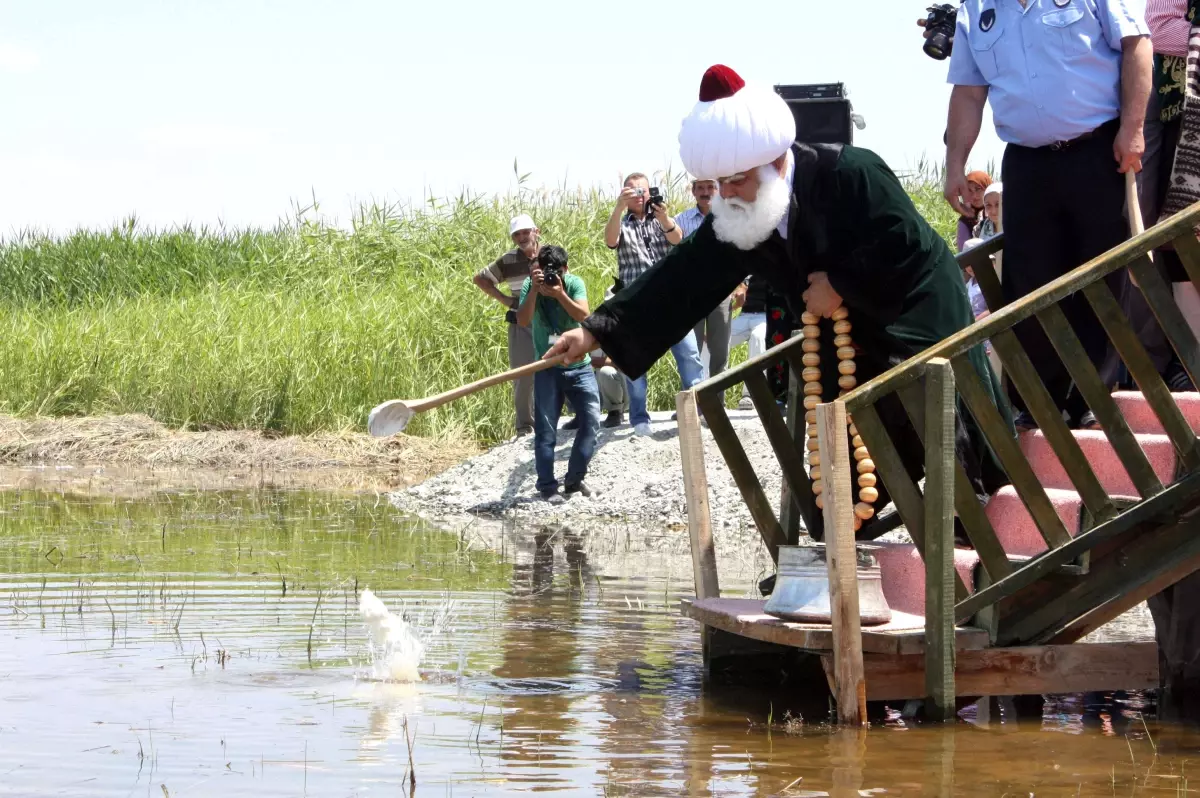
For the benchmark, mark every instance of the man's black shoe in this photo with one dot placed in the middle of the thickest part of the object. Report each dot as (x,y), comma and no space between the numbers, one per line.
(1089,421)
(767,586)
(549,494)
(1024,422)
(615,419)
(572,424)
(1177,379)
(580,488)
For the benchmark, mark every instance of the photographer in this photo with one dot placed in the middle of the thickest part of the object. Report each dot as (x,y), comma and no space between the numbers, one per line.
(511,269)
(552,302)
(642,233)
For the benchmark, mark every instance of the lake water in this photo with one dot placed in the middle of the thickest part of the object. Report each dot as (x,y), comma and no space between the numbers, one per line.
(181,642)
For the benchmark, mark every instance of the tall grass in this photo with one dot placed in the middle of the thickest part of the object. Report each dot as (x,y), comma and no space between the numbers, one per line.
(299,328)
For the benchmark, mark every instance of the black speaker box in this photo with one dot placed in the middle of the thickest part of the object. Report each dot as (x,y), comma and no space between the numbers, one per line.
(822,112)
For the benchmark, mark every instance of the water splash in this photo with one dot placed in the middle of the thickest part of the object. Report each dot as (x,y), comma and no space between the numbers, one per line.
(395,646)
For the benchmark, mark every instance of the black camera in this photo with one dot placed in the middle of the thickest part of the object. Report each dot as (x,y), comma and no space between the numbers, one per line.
(551,275)
(656,198)
(940,28)
(553,260)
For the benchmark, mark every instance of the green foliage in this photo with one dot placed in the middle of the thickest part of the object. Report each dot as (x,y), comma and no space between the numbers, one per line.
(300,328)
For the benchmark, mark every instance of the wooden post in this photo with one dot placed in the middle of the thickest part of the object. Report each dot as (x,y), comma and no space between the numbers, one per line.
(695,488)
(939,539)
(850,687)
(789,509)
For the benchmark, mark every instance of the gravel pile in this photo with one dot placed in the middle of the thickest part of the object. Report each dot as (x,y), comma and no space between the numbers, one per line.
(633,479)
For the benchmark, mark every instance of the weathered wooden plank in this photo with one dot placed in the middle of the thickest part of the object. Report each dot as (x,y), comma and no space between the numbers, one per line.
(737,374)
(791,515)
(842,562)
(1162,303)
(791,462)
(1098,398)
(904,634)
(939,539)
(973,517)
(743,473)
(1026,483)
(1188,250)
(695,489)
(1005,318)
(1022,670)
(980,260)
(1042,407)
(1172,500)
(1157,395)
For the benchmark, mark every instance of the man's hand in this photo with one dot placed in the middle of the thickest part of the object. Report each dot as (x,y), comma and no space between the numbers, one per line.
(573,343)
(660,213)
(536,277)
(820,298)
(956,192)
(555,291)
(1129,147)
(739,296)
(624,198)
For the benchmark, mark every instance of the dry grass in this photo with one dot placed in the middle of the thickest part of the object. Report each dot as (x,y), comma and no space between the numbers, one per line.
(140,440)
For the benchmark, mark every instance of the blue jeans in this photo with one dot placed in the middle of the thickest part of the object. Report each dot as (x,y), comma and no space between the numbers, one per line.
(691,371)
(550,387)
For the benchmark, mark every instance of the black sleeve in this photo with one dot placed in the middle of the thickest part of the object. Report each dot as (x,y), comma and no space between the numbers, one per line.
(654,312)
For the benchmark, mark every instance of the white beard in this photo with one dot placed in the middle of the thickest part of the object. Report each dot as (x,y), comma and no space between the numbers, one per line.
(748,224)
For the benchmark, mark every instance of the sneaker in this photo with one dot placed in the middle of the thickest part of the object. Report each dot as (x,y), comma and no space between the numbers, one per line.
(579,488)
(745,403)
(674,416)
(1088,421)
(642,429)
(523,431)
(1177,379)
(572,424)
(548,494)
(615,419)
(1024,422)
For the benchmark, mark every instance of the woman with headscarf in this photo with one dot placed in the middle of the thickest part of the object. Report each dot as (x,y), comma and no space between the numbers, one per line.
(977,183)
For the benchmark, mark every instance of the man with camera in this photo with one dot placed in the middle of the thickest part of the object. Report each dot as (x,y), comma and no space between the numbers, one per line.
(552,302)
(510,270)
(1068,82)
(641,232)
(827,226)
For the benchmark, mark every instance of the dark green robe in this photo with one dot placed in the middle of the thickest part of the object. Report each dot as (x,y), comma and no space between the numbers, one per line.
(852,219)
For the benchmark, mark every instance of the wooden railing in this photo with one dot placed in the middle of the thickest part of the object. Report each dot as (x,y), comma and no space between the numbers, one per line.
(1080,582)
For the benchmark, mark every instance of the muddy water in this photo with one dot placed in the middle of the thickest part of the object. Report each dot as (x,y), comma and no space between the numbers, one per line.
(207,643)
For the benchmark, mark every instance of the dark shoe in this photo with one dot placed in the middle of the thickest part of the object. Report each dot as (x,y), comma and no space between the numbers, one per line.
(615,419)
(674,416)
(572,424)
(1088,421)
(767,586)
(1177,379)
(549,493)
(579,488)
(1024,422)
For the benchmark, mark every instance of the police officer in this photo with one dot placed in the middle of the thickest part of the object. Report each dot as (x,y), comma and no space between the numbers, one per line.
(1068,81)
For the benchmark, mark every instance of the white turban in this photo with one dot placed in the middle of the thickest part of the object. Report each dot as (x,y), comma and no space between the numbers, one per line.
(735,127)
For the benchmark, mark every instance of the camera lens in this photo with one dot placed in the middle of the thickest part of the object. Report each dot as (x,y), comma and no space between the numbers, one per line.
(937,46)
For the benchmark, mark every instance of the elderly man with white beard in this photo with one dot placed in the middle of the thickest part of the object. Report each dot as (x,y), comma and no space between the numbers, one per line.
(825,225)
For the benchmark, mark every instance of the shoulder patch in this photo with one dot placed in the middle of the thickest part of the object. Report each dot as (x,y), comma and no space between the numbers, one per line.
(988,18)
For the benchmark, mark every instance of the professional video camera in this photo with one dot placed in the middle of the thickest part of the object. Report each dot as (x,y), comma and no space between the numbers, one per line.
(939,27)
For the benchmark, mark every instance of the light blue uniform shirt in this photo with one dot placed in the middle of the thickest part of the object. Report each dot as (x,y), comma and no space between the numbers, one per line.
(689,221)
(1053,68)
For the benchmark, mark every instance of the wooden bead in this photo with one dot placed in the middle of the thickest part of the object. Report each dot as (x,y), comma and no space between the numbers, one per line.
(846,353)
(866,466)
(857,442)
(842,340)
(811,359)
(820,503)
(814,458)
(842,327)
(866,480)
(814,473)
(813,444)
(812,430)
(868,495)
(847,382)
(853,431)
(811,331)
(811,402)
(840,313)
(846,367)
(810,345)
(810,417)
(857,523)
(811,374)
(861,453)
(812,389)
(817,487)
(809,318)
(864,510)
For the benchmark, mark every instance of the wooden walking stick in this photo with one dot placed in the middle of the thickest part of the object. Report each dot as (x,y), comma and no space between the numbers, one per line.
(392,417)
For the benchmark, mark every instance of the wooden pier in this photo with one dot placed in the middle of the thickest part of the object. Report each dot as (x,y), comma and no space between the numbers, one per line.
(1092,524)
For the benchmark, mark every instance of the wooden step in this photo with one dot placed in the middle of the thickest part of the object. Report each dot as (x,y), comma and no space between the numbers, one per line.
(1141,417)
(903,573)
(1015,529)
(1101,457)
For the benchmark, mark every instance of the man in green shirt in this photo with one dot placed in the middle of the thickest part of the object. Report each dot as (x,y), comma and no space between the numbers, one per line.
(552,302)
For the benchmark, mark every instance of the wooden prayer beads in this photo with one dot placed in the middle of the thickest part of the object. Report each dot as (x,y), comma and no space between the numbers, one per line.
(867,493)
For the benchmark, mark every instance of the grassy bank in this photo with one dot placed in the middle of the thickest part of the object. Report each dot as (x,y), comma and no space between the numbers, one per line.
(297,329)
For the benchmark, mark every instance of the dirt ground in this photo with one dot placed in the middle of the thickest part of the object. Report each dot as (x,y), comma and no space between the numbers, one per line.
(74,450)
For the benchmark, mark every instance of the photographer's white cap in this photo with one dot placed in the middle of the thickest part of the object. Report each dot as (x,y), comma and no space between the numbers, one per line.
(521,222)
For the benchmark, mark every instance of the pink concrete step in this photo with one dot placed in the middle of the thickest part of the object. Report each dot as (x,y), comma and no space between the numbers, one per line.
(1014,526)
(1103,459)
(903,573)
(1141,417)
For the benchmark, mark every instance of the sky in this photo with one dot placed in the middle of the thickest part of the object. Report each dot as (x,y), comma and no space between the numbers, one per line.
(215,112)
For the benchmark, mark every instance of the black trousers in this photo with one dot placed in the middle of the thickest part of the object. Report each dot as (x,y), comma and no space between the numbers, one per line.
(1061,209)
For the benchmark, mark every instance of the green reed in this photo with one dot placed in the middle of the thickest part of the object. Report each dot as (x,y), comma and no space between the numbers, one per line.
(295,329)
